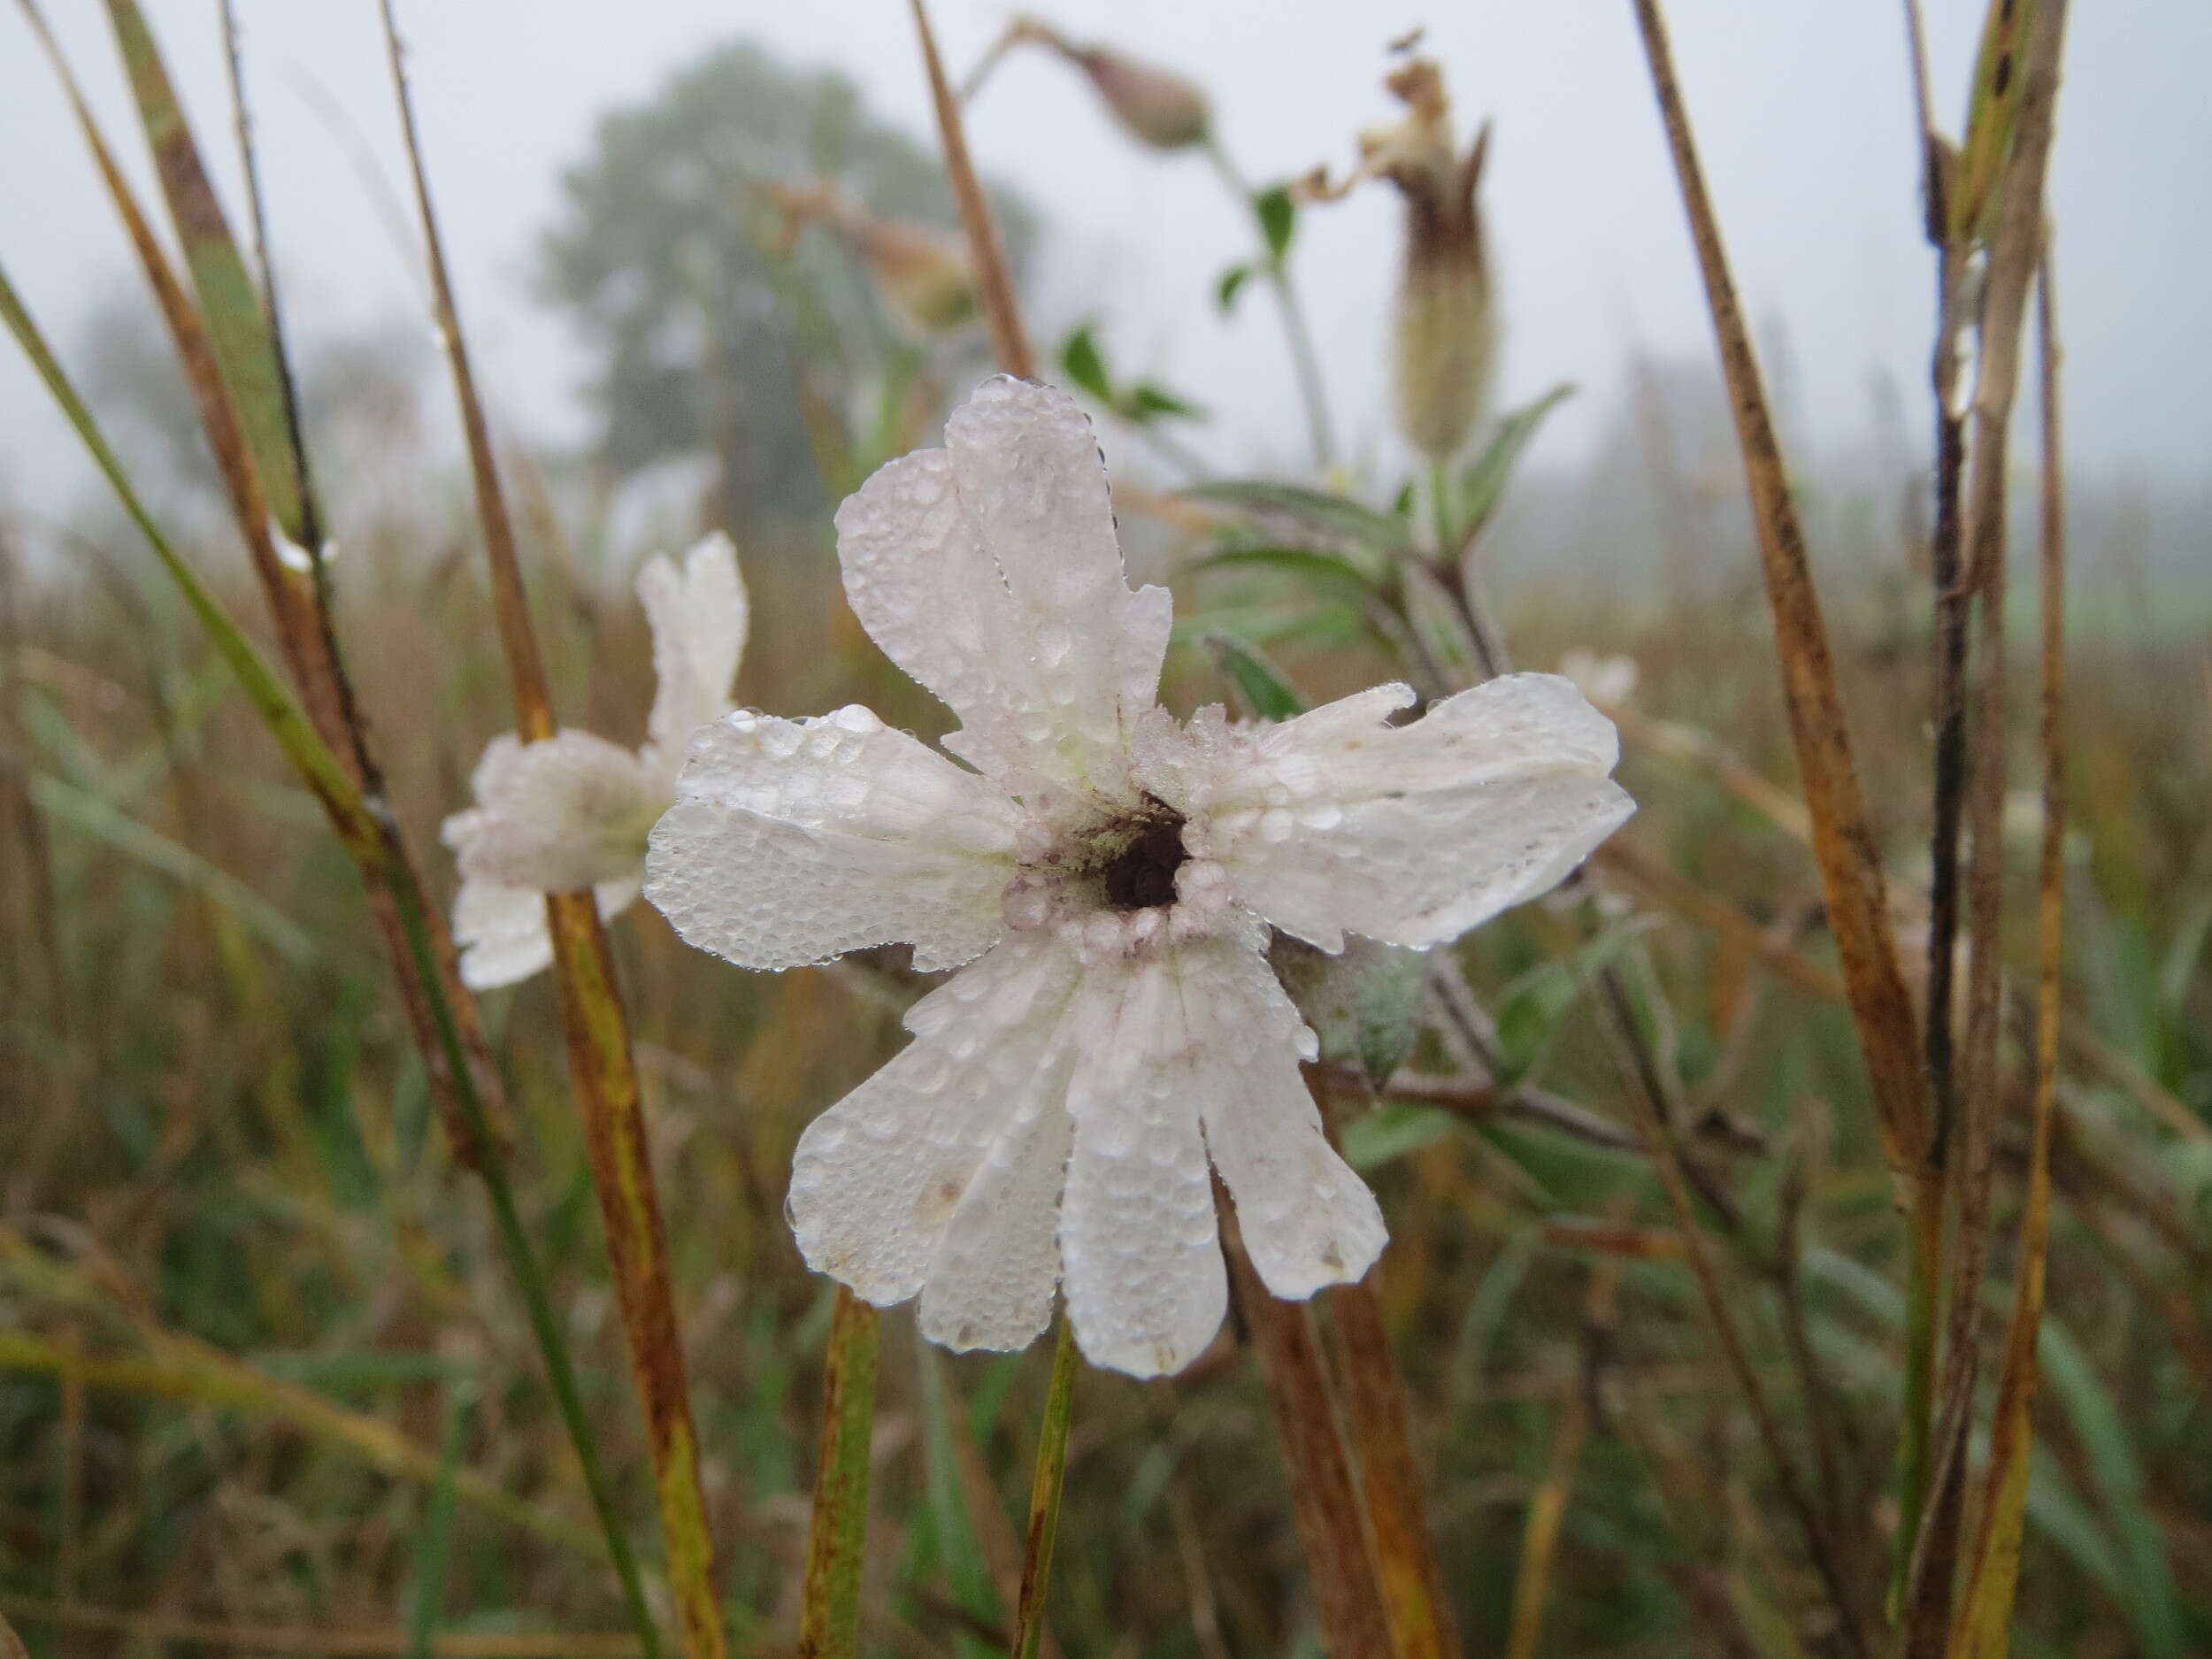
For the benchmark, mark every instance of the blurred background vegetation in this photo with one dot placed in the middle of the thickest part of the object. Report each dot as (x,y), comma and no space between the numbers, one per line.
(264,1385)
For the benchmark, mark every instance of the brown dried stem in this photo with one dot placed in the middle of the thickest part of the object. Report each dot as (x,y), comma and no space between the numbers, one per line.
(994,280)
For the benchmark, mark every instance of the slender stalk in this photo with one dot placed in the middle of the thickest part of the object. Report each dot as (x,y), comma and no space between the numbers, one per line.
(994,279)
(1044,1499)
(1305,362)
(592,1010)
(829,1605)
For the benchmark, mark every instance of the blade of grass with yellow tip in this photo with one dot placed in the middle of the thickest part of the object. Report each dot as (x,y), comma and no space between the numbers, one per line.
(1044,1498)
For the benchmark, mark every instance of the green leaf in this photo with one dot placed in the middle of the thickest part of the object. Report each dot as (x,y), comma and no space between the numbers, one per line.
(1279,220)
(1265,689)
(1393,1130)
(1147,400)
(1230,285)
(2151,1602)
(1333,515)
(1483,484)
(1326,572)
(1085,364)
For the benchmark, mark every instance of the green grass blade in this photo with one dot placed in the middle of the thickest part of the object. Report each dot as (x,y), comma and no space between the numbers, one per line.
(124,833)
(2151,1603)
(434,1547)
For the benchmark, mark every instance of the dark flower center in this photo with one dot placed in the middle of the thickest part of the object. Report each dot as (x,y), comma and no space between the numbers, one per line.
(1142,874)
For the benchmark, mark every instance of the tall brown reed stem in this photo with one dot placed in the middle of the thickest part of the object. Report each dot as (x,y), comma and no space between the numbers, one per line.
(1983,1627)
(1965,1152)
(592,1013)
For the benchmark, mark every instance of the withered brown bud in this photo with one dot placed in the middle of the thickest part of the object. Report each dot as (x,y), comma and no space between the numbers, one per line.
(1446,323)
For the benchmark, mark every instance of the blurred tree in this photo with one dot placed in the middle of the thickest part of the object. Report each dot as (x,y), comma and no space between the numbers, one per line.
(710,339)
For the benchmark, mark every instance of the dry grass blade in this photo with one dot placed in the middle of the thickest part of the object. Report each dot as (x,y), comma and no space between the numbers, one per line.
(1994,1569)
(994,279)
(1333,1525)
(837,1531)
(591,1013)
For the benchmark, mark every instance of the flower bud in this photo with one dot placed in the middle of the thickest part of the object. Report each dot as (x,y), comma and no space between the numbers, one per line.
(1154,105)
(1447,324)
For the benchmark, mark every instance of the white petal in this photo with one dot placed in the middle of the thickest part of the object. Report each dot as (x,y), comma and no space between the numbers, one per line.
(1307,1219)
(793,842)
(698,615)
(1336,822)
(554,817)
(991,1280)
(1138,1249)
(989,571)
(501,931)
(960,1122)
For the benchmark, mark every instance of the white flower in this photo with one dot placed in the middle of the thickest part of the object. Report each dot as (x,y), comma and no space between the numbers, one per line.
(1108,874)
(573,811)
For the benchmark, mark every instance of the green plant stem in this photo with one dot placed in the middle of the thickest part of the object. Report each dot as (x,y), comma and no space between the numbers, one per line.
(837,1533)
(1304,361)
(1044,1498)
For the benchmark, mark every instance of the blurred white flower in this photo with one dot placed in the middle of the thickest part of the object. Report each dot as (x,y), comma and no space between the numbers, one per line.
(1107,873)
(1608,681)
(573,811)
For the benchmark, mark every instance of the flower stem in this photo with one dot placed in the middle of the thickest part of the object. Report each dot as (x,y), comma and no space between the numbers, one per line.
(829,1607)
(1044,1498)
(1305,362)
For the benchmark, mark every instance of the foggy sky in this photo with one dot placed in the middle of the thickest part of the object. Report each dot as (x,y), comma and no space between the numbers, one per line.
(1804,112)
